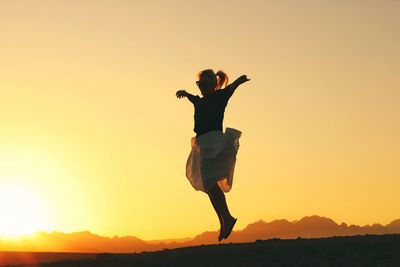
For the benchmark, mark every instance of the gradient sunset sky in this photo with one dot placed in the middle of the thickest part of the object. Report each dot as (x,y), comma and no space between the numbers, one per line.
(93,138)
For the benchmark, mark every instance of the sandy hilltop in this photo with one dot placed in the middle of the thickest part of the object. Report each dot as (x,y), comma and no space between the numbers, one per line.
(307,227)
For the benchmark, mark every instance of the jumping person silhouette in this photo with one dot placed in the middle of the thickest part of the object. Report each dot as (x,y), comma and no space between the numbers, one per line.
(211,162)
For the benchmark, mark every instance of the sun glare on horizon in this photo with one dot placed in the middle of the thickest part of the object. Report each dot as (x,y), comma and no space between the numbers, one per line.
(21,211)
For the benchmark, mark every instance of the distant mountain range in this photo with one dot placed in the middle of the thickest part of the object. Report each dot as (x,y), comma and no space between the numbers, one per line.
(307,227)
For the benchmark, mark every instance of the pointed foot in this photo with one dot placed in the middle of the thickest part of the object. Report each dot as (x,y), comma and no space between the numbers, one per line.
(229,228)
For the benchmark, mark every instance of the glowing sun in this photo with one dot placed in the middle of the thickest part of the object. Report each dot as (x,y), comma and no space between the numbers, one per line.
(21,212)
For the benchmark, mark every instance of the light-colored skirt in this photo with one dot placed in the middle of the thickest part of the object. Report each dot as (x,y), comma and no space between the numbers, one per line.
(212,160)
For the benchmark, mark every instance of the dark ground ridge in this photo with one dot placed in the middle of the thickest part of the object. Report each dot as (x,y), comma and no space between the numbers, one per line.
(365,250)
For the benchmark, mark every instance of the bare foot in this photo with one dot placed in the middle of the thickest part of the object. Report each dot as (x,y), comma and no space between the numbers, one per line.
(221,231)
(228,227)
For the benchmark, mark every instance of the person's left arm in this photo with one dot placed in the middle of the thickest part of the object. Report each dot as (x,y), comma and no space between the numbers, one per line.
(230,89)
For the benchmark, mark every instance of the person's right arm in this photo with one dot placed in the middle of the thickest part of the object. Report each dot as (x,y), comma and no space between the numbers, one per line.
(183,93)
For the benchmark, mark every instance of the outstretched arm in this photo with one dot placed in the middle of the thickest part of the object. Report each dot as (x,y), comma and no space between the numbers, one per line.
(183,93)
(230,89)
(242,79)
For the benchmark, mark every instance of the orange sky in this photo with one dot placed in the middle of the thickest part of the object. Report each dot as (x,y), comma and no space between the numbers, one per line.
(92,137)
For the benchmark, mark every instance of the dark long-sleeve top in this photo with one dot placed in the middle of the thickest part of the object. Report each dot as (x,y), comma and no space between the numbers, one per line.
(209,110)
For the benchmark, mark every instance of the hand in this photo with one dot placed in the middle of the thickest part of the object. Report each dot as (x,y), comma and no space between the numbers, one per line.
(242,79)
(181,93)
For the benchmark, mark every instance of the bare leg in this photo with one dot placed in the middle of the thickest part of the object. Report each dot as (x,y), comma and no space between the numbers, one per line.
(226,220)
(217,208)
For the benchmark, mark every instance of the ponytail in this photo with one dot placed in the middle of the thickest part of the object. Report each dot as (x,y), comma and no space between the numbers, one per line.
(213,80)
(222,79)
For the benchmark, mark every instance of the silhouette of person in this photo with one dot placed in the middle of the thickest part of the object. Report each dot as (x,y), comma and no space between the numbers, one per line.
(211,163)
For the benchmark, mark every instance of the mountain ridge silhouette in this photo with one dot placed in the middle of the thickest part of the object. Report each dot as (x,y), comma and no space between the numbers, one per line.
(84,241)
